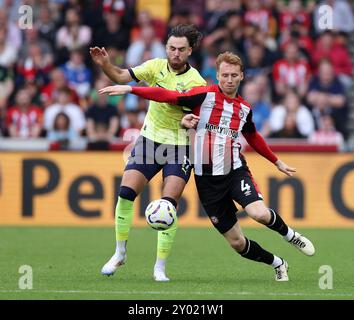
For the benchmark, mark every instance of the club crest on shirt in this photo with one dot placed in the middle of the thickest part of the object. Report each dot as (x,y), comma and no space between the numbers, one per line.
(214,219)
(180,86)
(224,121)
(241,114)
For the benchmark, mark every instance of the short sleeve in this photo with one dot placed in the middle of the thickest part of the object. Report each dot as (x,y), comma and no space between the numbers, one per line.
(145,72)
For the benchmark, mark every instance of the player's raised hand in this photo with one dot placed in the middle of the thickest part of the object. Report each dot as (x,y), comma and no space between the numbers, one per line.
(99,55)
(190,121)
(115,90)
(283,167)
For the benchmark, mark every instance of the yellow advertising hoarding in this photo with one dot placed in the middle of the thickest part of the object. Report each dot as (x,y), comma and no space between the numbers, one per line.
(69,188)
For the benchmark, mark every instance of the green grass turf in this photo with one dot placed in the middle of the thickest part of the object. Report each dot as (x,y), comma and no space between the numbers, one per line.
(66,264)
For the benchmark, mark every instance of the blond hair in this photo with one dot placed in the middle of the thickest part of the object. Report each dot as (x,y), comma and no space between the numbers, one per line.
(230,58)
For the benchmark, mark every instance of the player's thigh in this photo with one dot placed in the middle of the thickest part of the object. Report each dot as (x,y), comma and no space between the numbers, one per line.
(134,179)
(222,214)
(176,172)
(173,187)
(244,189)
(142,159)
(217,203)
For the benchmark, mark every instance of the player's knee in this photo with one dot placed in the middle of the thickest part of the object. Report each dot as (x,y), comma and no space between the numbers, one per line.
(238,243)
(262,216)
(127,193)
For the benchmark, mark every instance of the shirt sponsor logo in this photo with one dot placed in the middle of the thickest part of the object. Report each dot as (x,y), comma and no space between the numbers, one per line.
(221,130)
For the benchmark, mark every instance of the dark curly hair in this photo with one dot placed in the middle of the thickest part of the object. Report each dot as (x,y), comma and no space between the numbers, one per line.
(189,31)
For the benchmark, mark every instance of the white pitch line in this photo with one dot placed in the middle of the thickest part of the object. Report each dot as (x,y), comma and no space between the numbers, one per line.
(245,293)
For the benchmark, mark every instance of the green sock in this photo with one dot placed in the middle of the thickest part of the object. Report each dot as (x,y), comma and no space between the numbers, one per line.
(124,217)
(165,241)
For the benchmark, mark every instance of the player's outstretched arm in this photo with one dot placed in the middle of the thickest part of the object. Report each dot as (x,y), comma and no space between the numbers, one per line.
(188,99)
(283,167)
(116,74)
(117,90)
(150,93)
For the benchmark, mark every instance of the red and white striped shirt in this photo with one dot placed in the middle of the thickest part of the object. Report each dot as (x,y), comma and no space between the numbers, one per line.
(216,145)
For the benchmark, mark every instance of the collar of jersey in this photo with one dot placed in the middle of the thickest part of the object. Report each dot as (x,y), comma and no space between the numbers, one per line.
(178,74)
(228,99)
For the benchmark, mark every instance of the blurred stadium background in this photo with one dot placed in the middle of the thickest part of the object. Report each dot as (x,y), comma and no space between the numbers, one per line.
(60,170)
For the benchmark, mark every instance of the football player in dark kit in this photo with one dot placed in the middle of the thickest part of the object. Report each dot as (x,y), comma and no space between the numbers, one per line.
(220,115)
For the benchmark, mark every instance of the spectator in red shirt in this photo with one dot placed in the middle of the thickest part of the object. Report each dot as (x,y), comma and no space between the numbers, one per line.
(327,133)
(299,34)
(24,120)
(328,47)
(256,14)
(292,72)
(49,93)
(294,12)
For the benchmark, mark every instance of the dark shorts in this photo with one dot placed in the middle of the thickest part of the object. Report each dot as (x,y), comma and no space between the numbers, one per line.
(218,193)
(149,157)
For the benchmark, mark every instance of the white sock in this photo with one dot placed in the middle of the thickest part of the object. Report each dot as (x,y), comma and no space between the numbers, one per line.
(160,264)
(277,262)
(290,234)
(121,247)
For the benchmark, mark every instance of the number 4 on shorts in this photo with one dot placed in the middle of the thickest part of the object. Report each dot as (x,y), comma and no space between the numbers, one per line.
(245,187)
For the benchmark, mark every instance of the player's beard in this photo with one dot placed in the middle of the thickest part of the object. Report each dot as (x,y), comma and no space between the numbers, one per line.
(177,64)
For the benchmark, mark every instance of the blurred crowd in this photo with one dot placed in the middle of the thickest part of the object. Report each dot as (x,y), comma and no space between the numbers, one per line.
(298,72)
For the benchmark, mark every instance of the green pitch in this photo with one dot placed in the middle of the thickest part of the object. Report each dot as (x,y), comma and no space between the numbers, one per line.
(66,264)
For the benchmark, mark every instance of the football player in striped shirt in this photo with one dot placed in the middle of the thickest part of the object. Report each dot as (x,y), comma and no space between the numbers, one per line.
(220,115)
